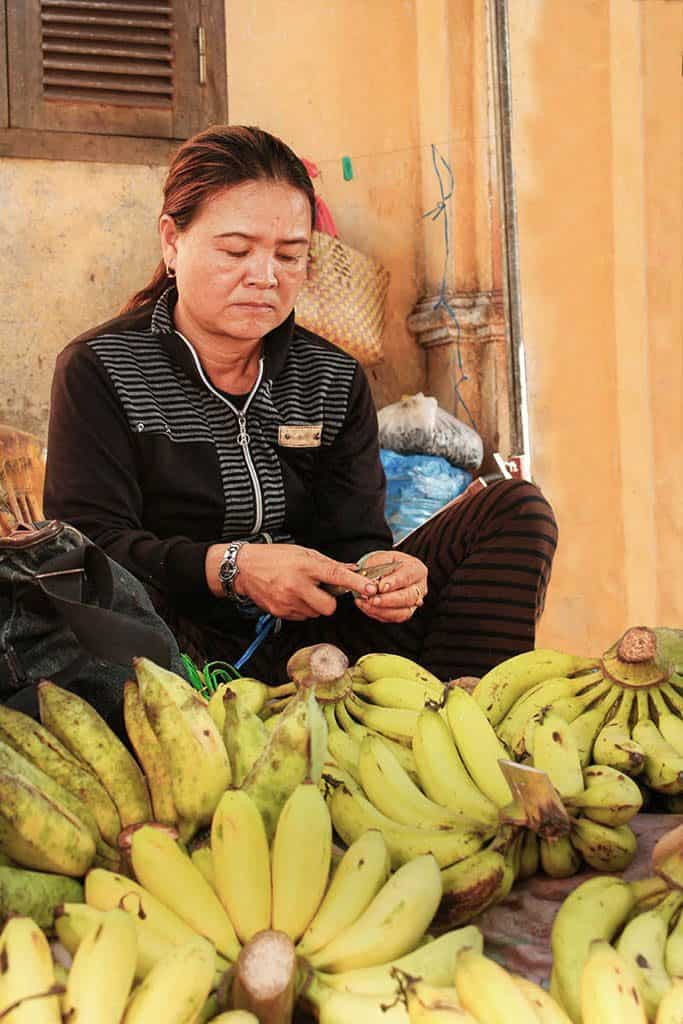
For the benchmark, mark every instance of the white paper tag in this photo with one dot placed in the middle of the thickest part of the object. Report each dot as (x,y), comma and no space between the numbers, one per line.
(300,436)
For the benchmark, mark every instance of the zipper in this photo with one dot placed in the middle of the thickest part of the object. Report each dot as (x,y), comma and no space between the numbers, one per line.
(243,438)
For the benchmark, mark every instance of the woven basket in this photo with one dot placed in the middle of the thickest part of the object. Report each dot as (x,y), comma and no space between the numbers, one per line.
(343,298)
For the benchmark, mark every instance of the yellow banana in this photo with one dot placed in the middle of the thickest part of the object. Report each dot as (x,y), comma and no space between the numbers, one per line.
(334,1007)
(394,692)
(643,945)
(392,924)
(167,873)
(503,685)
(175,989)
(559,859)
(344,751)
(358,732)
(573,705)
(28,975)
(395,723)
(596,909)
(613,744)
(586,727)
(511,729)
(194,750)
(442,774)
(547,1010)
(241,860)
(669,722)
(392,791)
(301,858)
(86,735)
(673,954)
(487,991)
(202,858)
(478,745)
(555,752)
(352,814)
(362,871)
(244,734)
(38,832)
(381,666)
(287,760)
(472,885)
(102,971)
(671,1007)
(603,847)
(38,745)
(149,754)
(429,1004)
(663,768)
(610,797)
(648,893)
(609,992)
(433,962)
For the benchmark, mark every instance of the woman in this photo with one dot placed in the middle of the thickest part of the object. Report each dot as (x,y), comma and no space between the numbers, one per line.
(230,460)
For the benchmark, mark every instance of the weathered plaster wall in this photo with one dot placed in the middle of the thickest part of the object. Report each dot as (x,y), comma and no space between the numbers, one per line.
(598,157)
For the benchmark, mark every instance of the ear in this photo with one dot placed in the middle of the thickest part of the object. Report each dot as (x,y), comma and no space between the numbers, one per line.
(168,235)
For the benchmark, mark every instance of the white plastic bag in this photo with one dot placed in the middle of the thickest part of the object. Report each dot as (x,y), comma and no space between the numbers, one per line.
(417,425)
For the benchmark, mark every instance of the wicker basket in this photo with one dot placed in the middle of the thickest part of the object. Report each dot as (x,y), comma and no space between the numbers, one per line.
(343,298)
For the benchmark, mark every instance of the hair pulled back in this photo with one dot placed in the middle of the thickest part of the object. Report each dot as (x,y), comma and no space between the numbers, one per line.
(217,158)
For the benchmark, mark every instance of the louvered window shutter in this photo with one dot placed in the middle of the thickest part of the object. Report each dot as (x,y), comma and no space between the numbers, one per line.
(114,67)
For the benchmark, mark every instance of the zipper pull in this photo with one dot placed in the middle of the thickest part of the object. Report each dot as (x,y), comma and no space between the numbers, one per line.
(243,437)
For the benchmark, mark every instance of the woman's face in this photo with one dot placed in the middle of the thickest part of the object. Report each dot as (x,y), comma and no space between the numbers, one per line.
(241,262)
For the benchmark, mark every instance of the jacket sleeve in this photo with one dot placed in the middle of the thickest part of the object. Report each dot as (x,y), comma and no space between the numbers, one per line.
(92,479)
(351,488)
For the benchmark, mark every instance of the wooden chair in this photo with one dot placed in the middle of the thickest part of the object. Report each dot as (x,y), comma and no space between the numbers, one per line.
(22,478)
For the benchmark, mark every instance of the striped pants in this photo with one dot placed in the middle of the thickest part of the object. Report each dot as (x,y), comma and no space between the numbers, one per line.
(489,559)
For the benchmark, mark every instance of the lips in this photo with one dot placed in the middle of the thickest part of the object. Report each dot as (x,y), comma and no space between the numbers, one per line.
(259,306)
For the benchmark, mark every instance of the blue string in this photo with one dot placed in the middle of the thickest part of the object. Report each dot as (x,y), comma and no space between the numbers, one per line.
(441,210)
(263,628)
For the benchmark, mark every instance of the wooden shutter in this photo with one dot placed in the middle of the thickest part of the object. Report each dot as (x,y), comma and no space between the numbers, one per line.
(114,67)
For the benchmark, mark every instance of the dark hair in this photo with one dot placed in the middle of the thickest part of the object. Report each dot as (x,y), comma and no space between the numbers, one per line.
(217,158)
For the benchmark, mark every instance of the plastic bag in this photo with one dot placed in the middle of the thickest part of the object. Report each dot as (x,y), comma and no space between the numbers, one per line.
(417,487)
(417,425)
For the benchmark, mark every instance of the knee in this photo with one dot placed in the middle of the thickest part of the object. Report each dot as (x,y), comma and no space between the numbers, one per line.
(523,500)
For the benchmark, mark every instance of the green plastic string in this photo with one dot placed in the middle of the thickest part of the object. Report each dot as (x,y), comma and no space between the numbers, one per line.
(210,677)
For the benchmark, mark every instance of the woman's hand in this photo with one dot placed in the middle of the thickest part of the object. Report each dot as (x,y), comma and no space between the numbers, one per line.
(284,579)
(401,592)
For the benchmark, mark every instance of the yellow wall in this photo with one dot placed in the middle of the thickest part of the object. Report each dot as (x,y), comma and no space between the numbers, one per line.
(597,156)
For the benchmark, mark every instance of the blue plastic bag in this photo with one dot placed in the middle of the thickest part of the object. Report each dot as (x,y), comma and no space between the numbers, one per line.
(417,487)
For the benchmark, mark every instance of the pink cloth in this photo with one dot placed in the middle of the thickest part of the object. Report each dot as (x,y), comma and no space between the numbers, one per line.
(324,221)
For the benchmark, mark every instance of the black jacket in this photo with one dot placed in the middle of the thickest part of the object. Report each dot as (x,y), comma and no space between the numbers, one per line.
(154,464)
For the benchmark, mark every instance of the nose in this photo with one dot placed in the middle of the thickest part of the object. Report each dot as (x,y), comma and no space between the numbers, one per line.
(260,270)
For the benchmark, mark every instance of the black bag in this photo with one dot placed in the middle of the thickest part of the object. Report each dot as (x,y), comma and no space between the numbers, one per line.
(70,614)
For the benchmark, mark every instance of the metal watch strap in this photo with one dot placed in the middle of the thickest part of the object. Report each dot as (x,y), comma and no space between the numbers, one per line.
(229,570)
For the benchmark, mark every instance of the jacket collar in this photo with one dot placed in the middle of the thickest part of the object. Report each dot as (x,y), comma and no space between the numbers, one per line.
(275,344)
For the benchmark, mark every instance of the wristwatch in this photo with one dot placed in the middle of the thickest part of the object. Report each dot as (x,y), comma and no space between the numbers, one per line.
(228,571)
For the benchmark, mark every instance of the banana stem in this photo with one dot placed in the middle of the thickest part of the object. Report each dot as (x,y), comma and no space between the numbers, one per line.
(286,690)
(264,979)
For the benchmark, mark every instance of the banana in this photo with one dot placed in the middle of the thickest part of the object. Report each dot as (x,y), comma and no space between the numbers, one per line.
(588,724)
(673,954)
(252,693)
(596,909)
(671,1007)
(432,962)
(487,991)
(472,885)
(37,744)
(392,924)
(38,832)
(202,858)
(642,944)
(547,1010)
(478,745)
(301,858)
(86,735)
(102,971)
(334,1007)
(167,873)
(358,732)
(429,1004)
(663,768)
(361,873)
(511,729)
(648,892)
(35,894)
(530,857)
(559,859)
(613,744)
(287,760)
(27,978)
(194,750)
(345,751)
(504,684)
(669,723)
(394,692)
(555,752)
(609,992)
(381,666)
(75,920)
(244,734)
(241,860)
(352,814)
(396,723)
(572,706)
(392,791)
(442,774)
(610,797)
(175,989)
(603,847)
(149,754)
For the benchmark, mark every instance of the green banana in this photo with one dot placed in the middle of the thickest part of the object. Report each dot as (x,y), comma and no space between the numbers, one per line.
(586,727)
(643,945)
(244,734)
(610,797)
(555,752)
(559,859)
(150,754)
(395,723)
(613,744)
(504,684)
(36,894)
(603,847)
(663,768)
(512,728)
(380,666)
(390,692)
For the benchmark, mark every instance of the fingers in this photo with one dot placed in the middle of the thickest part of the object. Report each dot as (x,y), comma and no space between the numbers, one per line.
(329,571)
(381,614)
